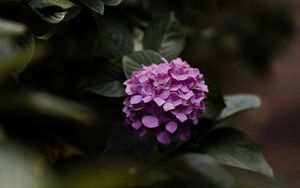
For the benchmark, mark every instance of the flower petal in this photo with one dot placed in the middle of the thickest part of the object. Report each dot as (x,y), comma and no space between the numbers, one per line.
(164,137)
(150,121)
(137,124)
(159,101)
(136,99)
(168,106)
(147,99)
(171,126)
(184,134)
(180,116)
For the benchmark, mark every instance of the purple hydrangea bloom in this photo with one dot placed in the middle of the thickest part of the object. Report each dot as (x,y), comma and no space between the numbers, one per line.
(166,99)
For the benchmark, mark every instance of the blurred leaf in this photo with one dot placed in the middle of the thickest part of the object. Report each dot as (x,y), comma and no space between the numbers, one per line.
(95,5)
(47,104)
(108,89)
(165,36)
(108,172)
(156,179)
(214,103)
(238,103)
(134,61)
(11,28)
(25,45)
(52,11)
(233,147)
(112,2)
(21,168)
(248,179)
(2,134)
(16,49)
(12,61)
(199,169)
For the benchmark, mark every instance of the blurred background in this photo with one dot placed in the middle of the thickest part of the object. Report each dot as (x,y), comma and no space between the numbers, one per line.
(276,124)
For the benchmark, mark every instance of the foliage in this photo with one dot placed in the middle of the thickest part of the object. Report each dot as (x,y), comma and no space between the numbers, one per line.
(62,68)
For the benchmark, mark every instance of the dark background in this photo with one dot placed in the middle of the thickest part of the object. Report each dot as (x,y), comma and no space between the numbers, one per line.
(276,124)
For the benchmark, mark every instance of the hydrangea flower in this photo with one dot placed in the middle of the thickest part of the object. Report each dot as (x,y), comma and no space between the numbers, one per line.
(166,99)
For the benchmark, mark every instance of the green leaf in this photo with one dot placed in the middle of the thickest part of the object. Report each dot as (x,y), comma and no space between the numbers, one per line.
(26,46)
(114,39)
(40,4)
(72,13)
(108,89)
(12,61)
(214,103)
(16,49)
(95,5)
(238,103)
(112,2)
(249,179)
(87,37)
(199,169)
(104,78)
(102,37)
(134,61)
(11,28)
(21,168)
(106,172)
(52,11)
(46,104)
(233,147)
(165,36)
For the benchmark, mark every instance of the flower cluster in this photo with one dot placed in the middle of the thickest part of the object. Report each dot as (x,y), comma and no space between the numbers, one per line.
(167,99)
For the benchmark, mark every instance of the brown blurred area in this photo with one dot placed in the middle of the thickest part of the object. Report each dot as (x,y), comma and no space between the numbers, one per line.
(276,125)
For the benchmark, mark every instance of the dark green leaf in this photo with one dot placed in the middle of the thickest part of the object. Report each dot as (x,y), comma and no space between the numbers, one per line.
(165,36)
(134,61)
(214,103)
(72,12)
(112,2)
(200,170)
(102,37)
(105,78)
(249,179)
(108,89)
(87,37)
(233,147)
(52,11)
(40,4)
(238,103)
(95,5)
(113,39)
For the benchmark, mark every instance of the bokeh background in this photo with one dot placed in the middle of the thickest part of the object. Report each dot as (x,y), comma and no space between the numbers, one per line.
(276,124)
